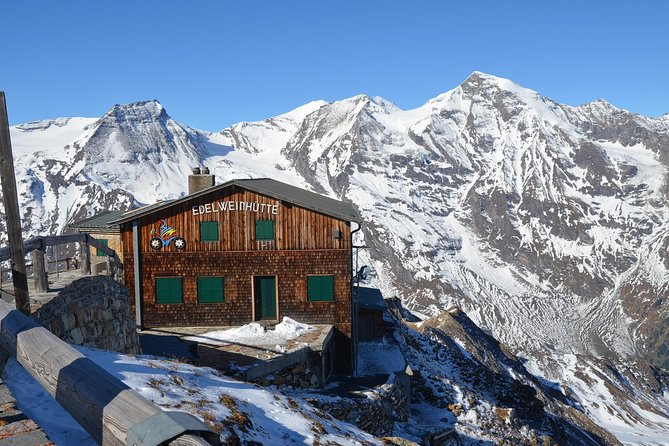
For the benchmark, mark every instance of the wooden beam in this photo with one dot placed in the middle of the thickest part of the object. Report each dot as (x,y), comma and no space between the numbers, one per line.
(52,240)
(85,250)
(102,404)
(39,271)
(189,440)
(12,215)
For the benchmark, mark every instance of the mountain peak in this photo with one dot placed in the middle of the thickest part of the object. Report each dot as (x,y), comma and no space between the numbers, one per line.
(478,80)
(600,104)
(149,109)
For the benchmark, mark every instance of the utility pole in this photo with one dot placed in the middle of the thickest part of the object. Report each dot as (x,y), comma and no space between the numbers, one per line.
(12,216)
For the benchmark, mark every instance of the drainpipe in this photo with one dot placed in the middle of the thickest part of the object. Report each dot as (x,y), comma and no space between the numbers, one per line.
(137,273)
(354,313)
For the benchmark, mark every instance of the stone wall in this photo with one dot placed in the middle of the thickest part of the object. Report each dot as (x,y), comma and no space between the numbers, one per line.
(376,413)
(93,312)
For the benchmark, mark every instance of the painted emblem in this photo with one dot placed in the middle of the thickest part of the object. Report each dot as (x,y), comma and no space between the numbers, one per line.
(166,236)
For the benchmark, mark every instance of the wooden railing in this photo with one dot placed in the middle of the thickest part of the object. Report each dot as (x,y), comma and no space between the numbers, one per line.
(111,412)
(36,246)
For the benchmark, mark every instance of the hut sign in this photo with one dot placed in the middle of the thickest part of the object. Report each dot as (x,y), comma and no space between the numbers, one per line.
(228,205)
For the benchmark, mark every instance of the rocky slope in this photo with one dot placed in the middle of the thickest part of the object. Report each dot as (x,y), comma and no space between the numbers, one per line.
(467,381)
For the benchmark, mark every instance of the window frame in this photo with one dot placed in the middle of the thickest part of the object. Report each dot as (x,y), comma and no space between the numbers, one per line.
(321,285)
(210,299)
(262,224)
(210,223)
(171,300)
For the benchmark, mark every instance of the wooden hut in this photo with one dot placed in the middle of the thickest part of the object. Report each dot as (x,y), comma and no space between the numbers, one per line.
(241,251)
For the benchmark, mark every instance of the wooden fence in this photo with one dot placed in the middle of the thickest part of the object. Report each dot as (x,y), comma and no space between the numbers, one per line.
(36,246)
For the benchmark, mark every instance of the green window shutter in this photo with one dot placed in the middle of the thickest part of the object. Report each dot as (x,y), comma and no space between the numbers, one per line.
(169,290)
(210,289)
(327,287)
(264,230)
(208,231)
(320,288)
(100,253)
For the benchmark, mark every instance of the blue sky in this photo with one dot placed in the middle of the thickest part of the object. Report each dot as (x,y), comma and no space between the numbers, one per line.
(215,63)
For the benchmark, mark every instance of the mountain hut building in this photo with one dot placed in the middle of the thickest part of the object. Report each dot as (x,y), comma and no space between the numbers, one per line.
(241,251)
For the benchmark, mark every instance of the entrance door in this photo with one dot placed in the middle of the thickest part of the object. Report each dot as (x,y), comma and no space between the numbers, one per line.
(264,289)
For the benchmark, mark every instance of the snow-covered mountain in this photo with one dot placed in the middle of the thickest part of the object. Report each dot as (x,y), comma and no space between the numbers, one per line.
(546,223)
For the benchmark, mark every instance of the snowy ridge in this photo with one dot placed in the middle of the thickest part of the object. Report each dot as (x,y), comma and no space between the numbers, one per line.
(546,223)
(523,211)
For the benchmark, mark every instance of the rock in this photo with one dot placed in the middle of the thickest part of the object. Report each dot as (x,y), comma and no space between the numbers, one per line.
(92,311)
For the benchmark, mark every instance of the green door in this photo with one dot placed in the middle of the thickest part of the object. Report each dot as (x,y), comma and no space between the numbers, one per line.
(265,297)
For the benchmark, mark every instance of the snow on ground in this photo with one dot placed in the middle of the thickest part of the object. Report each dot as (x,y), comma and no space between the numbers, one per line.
(254,334)
(48,136)
(233,407)
(38,405)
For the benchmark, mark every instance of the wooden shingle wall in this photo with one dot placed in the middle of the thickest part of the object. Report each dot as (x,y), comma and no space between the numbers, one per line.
(291,270)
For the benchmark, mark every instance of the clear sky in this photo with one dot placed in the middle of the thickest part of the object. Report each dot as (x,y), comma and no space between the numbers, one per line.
(214,63)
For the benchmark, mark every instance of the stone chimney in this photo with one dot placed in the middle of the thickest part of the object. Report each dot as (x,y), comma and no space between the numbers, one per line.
(199,180)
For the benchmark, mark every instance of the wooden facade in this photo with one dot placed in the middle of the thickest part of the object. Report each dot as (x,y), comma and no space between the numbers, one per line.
(214,235)
(111,239)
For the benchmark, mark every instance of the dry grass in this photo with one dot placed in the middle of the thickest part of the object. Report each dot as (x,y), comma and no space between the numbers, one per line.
(156,383)
(292,404)
(177,379)
(455,408)
(239,419)
(228,401)
(503,414)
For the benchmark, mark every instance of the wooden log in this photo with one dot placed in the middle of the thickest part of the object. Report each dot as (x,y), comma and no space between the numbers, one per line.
(12,215)
(103,405)
(52,240)
(39,271)
(189,440)
(32,244)
(110,265)
(85,257)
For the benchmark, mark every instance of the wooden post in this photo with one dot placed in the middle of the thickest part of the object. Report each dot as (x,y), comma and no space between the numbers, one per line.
(109,266)
(55,249)
(12,216)
(85,258)
(39,271)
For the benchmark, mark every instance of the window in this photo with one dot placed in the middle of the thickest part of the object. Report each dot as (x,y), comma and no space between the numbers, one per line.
(320,288)
(209,289)
(168,290)
(98,251)
(264,230)
(208,231)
